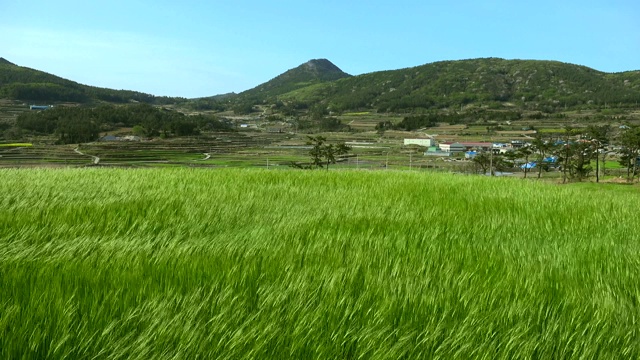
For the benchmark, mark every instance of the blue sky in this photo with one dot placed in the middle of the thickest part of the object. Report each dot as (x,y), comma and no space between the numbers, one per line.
(200,48)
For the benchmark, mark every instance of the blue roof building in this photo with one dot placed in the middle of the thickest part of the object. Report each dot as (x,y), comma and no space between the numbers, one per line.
(39,107)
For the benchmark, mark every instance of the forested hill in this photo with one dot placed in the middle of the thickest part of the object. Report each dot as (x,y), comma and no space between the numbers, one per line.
(542,85)
(526,84)
(313,72)
(22,83)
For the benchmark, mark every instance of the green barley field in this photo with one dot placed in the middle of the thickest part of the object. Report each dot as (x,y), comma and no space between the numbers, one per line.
(256,264)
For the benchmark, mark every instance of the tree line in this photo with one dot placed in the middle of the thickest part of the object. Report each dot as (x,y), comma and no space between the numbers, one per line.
(432,119)
(82,124)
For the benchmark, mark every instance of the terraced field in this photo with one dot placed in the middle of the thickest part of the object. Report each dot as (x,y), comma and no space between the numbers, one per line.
(40,155)
(177,152)
(225,149)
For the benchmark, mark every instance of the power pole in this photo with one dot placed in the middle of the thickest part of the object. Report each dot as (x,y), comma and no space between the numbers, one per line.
(491,159)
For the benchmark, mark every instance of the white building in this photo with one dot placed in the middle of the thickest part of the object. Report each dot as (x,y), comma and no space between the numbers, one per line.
(452,147)
(420,142)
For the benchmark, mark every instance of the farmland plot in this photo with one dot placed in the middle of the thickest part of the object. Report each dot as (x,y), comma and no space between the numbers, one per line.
(200,263)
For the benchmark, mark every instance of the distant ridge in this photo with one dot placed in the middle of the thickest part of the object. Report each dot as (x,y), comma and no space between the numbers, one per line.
(218,97)
(26,84)
(534,85)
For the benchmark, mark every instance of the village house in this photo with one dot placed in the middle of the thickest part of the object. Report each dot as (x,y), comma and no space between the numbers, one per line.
(39,107)
(109,138)
(480,146)
(451,147)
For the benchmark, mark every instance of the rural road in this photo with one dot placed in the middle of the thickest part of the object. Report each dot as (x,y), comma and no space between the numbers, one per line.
(96,160)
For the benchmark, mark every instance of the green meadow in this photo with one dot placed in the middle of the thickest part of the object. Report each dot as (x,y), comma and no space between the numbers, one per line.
(187,263)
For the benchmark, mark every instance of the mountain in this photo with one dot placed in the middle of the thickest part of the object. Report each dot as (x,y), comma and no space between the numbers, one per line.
(536,85)
(312,72)
(4,61)
(22,83)
(531,84)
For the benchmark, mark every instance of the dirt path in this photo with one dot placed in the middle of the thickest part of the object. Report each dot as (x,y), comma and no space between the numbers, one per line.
(96,160)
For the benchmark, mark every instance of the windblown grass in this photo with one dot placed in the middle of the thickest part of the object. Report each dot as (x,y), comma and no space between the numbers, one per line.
(194,263)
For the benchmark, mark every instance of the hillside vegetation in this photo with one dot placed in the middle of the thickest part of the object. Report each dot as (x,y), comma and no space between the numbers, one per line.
(84,124)
(320,86)
(22,83)
(527,84)
(187,263)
